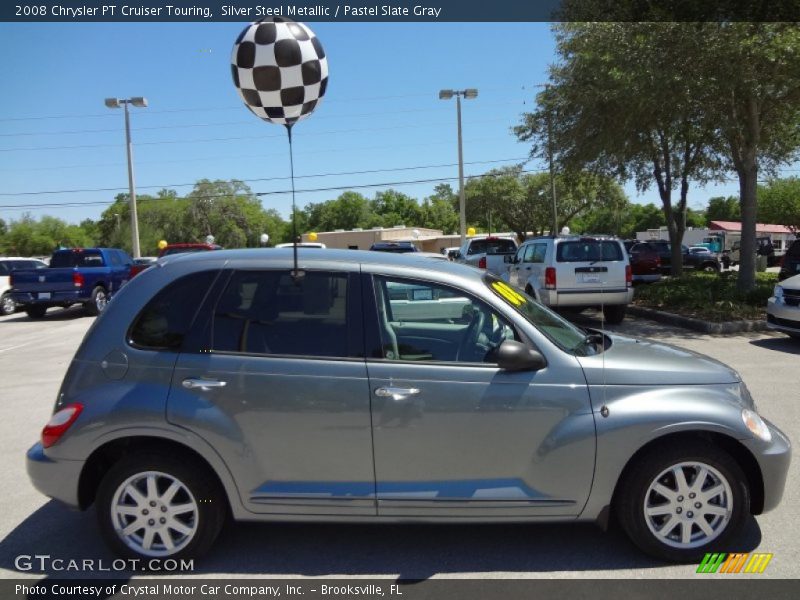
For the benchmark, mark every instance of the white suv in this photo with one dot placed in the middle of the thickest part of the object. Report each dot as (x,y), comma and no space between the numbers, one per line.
(8,264)
(575,272)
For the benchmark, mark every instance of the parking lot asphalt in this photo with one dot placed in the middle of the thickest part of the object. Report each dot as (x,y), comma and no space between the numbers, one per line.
(34,356)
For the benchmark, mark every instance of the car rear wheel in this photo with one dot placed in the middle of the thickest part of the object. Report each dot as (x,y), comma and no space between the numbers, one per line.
(710,268)
(7,305)
(36,312)
(679,502)
(155,506)
(614,314)
(98,302)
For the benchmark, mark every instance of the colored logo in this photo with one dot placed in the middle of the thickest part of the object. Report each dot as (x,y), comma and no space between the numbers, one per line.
(735,562)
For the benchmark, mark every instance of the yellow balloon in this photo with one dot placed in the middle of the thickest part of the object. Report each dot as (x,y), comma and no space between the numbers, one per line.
(470,231)
(312,237)
(162,244)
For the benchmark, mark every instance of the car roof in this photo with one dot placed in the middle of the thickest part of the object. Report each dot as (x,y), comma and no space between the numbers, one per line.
(310,257)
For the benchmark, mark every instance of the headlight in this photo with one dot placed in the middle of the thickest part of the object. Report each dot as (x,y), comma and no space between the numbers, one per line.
(756,425)
(777,292)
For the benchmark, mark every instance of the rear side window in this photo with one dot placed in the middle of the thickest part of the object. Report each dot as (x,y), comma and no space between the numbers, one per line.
(85,258)
(165,321)
(587,251)
(535,253)
(268,312)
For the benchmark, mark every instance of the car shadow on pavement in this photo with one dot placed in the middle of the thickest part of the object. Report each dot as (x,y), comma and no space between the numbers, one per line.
(59,314)
(779,344)
(406,552)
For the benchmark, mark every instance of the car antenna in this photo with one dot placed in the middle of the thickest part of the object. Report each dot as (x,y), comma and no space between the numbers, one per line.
(297,274)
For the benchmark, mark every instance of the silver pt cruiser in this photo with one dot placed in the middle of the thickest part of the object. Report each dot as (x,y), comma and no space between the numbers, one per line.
(372,387)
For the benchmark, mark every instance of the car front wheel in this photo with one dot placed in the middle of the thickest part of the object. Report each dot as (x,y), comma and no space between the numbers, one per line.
(614,314)
(679,502)
(159,507)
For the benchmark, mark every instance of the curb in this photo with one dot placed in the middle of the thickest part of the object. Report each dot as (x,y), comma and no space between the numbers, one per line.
(696,324)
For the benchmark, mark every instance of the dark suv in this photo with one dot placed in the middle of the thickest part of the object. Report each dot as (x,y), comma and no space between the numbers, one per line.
(698,262)
(791,262)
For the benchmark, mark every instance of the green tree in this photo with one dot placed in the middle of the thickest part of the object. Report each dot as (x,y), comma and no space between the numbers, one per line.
(779,202)
(440,209)
(349,211)
(721,208)
(621,102)
(395,208)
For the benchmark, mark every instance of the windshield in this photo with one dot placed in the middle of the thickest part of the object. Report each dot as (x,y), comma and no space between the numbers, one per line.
(561,332)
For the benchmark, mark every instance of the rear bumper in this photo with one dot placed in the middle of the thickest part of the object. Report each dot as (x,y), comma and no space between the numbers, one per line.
(57,479)
(55,299)
(592,297)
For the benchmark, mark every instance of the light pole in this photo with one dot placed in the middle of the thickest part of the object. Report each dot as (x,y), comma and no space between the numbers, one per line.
(141,103)
(468,94)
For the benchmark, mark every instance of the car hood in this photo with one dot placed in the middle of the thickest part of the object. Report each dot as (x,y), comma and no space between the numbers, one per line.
(630,361)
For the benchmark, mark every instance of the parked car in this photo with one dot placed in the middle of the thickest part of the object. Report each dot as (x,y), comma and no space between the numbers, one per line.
(8,264)
(394,247)
(87,276)
(182,248)
(140,264)
(302,245)
(790,265)
(572,272)
(645,264)
(488,252)
(783,308)
(707,262)
(225,384)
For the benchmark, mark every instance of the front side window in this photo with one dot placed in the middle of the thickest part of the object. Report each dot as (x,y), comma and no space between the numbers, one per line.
(535,253)
(422,321)
(165,321)
(269,312)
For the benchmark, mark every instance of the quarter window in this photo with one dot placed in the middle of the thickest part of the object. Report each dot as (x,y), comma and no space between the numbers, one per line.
(269,312)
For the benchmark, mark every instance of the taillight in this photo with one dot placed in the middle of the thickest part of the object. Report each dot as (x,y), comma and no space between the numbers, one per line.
(11,279)
(77,279)
(59,423)
(628,276)
(482,262)
(550,278)
(658,261)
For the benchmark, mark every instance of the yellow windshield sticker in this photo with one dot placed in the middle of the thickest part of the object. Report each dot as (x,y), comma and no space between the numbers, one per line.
(509,293)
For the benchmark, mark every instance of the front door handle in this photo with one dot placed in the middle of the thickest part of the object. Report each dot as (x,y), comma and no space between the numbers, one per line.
(203,384)
(396,393)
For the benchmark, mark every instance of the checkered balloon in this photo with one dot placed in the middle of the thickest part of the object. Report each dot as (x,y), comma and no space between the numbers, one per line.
(279,69)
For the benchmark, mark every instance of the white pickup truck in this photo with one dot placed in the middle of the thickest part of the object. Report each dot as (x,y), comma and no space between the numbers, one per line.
(487,252)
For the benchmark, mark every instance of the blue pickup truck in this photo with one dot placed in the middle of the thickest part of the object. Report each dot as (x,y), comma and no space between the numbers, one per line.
(87,276)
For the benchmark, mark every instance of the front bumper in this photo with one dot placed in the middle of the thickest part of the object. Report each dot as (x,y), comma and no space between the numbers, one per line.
(57,479)
(783,317)
(773,458)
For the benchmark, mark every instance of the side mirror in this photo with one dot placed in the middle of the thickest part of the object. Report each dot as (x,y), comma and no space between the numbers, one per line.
(459,256)
(509,259)
(516,356)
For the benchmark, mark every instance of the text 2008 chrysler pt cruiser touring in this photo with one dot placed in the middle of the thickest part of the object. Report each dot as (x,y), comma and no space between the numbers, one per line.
(367,386)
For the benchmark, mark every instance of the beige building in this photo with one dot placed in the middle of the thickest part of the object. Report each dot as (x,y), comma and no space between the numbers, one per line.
(426,240)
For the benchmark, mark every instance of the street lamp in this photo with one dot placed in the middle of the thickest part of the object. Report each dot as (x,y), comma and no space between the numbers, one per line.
(468,94)
(141,103)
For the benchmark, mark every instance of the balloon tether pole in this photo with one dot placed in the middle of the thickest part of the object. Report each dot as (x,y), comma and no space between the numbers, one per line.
(296,273)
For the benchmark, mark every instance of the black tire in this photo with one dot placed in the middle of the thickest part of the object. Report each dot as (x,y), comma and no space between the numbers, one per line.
(710,268)
(36,311)
(614,313)
(202,486)
(7,305)
(98,301)
(632,492)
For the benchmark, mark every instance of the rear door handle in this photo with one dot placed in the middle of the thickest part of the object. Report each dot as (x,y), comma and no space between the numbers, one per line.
(203,384)
(396,393)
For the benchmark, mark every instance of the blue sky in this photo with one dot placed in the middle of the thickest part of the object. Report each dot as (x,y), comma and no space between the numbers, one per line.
(381,111)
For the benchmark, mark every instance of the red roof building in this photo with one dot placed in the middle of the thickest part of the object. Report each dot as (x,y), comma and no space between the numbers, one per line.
(736,226)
